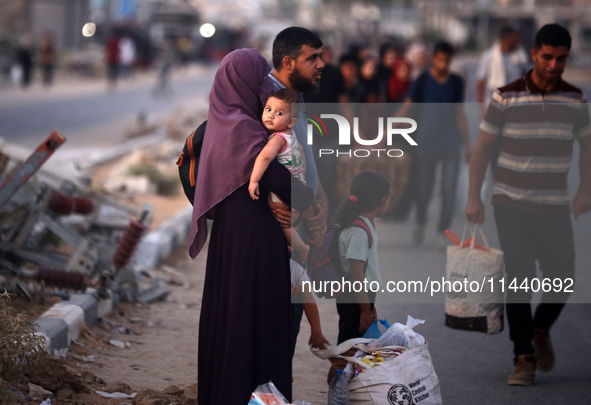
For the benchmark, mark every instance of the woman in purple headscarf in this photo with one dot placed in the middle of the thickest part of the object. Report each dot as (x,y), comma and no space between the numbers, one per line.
(245,313)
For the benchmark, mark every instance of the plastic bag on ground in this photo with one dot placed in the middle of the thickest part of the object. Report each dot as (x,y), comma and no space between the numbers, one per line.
(400,335)
(268,394)
(374,332)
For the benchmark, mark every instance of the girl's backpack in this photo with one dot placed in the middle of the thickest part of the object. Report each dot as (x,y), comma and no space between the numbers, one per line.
(324,264)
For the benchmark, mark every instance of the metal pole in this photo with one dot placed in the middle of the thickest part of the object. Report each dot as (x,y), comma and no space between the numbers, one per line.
(23,173)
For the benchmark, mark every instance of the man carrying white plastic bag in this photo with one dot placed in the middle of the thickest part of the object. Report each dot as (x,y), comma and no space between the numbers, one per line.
(394,369)
(474,272)
(537,119)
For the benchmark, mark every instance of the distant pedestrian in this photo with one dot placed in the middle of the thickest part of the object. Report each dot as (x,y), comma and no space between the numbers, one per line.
(166,61)
(24,57)
(502,64)
(442,131)
(537,118)
(348,67)
(6,60)
(388,56)
(112,59)
(418,57)
(47,57)
(398,87)
(400,81)
(368,80)
(126,56)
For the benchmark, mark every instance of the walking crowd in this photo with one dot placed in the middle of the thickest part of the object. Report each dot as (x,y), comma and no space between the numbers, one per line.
(531,116)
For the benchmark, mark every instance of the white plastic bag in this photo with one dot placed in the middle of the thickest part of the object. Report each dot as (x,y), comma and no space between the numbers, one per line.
(479,310)
(400,335)
(268,394)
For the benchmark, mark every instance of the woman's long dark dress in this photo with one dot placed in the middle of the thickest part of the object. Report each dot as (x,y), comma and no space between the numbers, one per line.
(244,328)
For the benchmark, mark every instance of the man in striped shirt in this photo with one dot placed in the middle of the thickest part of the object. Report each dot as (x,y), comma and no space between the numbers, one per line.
(537,118)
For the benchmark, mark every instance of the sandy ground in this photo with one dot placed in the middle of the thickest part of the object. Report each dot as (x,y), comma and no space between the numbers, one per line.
(163,338)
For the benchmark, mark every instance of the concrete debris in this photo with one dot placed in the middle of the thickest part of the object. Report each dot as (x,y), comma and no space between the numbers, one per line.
(89,359)
(118,343)
(118,395)
(118,387)
(130,185)
(35,389)
(58,235)
(63,352)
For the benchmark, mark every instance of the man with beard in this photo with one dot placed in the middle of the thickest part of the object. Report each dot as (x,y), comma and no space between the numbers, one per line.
(298,67)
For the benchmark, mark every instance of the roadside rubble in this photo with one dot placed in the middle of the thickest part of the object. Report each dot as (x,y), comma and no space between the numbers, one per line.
(60,236)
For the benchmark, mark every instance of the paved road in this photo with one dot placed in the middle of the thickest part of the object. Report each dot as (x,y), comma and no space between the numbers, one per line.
(89,116)
(472,367)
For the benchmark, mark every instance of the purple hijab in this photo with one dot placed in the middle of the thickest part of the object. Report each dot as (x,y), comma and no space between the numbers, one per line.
(234,135)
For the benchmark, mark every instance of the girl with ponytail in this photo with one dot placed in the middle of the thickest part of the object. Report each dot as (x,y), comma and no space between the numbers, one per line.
(369,199)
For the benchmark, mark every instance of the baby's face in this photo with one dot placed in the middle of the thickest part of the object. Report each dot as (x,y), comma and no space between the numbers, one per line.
(277,115)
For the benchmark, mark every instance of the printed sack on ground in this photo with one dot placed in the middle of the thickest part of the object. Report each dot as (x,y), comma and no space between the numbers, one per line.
(403,375)
(478,304)
(409,379)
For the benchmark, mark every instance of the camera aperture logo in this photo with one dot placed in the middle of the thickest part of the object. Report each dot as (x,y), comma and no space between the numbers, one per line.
(395,127)
(316,121)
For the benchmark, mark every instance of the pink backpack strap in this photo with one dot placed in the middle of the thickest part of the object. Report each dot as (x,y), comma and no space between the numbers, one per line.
(362,224)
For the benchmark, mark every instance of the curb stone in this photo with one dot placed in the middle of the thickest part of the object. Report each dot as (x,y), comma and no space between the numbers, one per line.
(159,244)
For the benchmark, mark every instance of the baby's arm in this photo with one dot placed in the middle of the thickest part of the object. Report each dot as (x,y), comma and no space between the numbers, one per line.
(269,152)
(317,339)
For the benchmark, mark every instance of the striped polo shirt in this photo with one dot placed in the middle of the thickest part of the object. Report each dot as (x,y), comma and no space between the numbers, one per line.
(537,132)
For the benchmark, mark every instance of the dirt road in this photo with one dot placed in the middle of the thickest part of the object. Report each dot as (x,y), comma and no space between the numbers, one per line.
(162,336)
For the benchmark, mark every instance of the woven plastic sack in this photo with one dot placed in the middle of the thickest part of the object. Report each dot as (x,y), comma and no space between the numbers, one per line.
(481,310)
